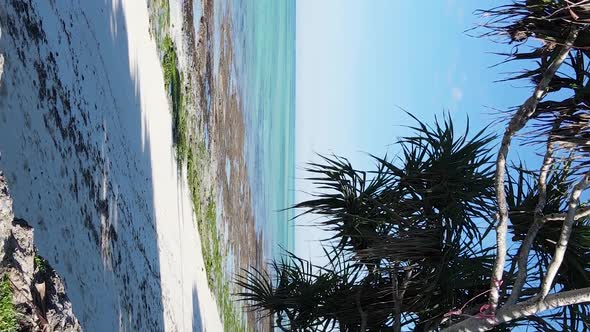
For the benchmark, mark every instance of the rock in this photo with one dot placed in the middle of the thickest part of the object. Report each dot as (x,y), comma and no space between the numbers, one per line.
(5,211)
(38,292)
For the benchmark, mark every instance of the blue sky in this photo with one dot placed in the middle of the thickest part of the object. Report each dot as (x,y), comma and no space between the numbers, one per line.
(359,62)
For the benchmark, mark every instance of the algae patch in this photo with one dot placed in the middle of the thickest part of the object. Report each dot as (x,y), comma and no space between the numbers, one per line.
(173,82)
(8,314)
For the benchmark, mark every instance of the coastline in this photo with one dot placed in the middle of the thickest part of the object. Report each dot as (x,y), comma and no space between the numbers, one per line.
(222,200)
(121,107)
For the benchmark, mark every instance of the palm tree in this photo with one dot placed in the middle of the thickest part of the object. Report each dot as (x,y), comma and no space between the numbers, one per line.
(405,236)
(407,250)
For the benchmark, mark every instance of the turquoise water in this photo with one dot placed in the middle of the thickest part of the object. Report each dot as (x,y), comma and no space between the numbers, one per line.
(264,57)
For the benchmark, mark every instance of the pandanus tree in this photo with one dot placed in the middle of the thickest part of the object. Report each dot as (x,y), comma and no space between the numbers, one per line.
(405,246)
(412,240)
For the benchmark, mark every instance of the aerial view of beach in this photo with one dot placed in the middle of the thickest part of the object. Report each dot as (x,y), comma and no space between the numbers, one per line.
(294,165)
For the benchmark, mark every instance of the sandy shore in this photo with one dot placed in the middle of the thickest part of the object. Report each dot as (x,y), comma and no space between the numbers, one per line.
(86,143)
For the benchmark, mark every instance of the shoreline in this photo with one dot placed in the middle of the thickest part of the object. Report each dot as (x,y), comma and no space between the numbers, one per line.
(137,138)
(215,139)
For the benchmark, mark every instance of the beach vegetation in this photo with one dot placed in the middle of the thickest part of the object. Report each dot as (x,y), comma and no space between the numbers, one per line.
(173,76)
(452,234)
(164,13)
(173,81)
(211,241)
(214,256)
(159,18)
(8,314)
(40,264)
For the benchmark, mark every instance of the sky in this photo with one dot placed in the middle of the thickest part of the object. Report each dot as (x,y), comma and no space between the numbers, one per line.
(359,64)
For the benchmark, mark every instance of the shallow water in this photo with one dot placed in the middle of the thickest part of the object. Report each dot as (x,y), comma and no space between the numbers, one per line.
(263,34)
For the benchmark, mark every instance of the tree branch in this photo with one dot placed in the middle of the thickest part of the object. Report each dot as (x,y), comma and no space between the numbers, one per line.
(397,311)
(525,247)
(362,313)
(516,123)
(527,308)
(561,216)
(564,237)
(398,296)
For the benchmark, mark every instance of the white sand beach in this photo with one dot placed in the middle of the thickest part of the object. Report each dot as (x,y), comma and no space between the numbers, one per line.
(86,145)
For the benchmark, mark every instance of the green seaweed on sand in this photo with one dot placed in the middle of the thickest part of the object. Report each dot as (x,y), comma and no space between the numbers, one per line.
(213,255)
(173,78)
(173,82)
(8,314)
(159,18)
(211,247)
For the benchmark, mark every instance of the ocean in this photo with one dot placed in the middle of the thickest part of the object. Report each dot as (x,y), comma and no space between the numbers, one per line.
(263,34)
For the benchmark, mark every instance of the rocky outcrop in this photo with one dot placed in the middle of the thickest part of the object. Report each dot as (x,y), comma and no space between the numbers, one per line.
(38,293)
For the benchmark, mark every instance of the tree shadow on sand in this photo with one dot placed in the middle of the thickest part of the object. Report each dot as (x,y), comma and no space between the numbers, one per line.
(77,157)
